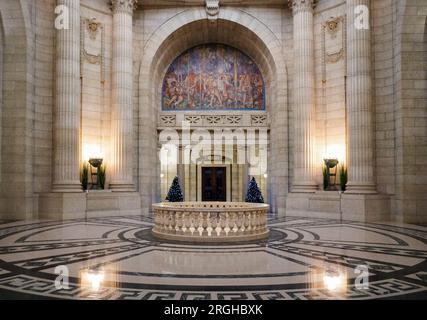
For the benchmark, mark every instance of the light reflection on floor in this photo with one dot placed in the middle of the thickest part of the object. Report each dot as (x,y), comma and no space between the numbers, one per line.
(117,258)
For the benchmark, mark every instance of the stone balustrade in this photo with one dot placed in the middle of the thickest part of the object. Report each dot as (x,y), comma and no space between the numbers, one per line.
(210,221)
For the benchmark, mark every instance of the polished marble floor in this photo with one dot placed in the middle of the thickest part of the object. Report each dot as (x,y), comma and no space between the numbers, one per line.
(118,258)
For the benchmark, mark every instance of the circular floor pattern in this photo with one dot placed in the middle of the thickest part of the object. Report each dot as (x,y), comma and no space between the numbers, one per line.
(304,258)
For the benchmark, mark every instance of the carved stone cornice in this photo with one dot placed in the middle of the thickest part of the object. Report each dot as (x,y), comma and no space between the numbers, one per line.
(126,6)
(301,5)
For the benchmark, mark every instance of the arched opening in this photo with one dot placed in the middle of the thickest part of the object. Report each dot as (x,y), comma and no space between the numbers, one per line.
(232,29)
(411,113)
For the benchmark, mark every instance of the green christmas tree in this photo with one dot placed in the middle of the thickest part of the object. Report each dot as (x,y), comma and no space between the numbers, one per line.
(175,193)
(254,195)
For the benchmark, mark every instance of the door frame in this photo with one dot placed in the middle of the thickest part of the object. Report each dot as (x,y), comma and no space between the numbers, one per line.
(227,180)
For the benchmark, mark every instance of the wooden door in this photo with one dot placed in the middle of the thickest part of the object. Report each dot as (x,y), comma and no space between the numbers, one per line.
(214,184)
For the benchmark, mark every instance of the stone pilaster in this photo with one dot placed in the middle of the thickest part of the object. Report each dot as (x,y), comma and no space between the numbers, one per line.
(359,102)
(304,96)
(122,78)
(67,105)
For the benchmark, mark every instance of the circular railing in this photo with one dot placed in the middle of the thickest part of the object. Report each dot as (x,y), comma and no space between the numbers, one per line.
(210,221)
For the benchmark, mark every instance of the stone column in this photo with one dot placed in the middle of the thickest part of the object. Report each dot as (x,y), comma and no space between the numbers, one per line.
(67,105)
(121,109)
(304,96)
(359,100)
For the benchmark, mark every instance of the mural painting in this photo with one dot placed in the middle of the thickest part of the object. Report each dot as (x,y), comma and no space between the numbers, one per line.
(213,76)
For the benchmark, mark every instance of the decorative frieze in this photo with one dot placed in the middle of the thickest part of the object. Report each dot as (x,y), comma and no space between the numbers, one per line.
(213,120)
(193,119)
(259,120)
(168,120)
(233,119)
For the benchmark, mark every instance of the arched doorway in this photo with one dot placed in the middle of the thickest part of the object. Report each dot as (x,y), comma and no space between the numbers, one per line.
(189,29)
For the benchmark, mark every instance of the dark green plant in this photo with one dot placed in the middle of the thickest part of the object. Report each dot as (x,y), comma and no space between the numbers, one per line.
(254,195)
(102,176)
(175,193)
(343,177)
(84,176)
(325,177)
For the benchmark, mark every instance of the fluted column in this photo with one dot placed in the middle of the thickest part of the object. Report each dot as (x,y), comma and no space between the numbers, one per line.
(304,96)
(121,109)
(67,104)
(359,101)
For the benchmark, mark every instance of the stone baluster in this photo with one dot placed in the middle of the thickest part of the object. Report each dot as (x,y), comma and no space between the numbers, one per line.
(121,109)
(359,100)
(304,96)
(66,177)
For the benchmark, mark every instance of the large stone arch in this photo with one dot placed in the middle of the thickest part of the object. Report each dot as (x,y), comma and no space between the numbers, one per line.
(234,27)
(411,111)
(17,199)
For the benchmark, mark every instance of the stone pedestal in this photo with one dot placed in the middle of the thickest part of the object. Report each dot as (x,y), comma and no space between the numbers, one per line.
(107,204)
(340,206)
(365,207)
(61,206)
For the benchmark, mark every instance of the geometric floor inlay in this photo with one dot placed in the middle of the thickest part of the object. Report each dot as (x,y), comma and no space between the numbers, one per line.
(304,258)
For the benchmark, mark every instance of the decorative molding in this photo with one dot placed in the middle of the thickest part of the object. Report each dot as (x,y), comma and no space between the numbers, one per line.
(257,120)
(91,58)
(214,119)
(212,9)
(193,119)
(168,120)
(332,27)
(334,57)
(298,6)
(124,6)
(92,27)
(246,120)
(233,119)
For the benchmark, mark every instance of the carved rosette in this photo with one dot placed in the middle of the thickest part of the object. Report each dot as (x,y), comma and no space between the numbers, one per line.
(301,5)
(125,6)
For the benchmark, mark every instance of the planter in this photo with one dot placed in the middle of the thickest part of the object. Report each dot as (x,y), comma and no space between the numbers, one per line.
(210,221)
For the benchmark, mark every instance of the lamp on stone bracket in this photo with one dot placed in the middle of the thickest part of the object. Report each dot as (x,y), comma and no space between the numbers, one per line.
(95,166)
(331,167)
(92,154)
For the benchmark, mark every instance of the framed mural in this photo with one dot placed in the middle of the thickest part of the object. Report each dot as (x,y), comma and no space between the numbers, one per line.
(213,77)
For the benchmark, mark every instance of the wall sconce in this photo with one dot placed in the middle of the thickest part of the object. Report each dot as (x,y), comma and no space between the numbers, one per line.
(162,175)
(265,175)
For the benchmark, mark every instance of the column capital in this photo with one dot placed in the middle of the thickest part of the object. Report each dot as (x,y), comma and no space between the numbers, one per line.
(301,5)
(126,6)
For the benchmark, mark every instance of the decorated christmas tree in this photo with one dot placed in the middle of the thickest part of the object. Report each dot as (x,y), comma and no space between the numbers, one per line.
(254,195)
(175,193)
